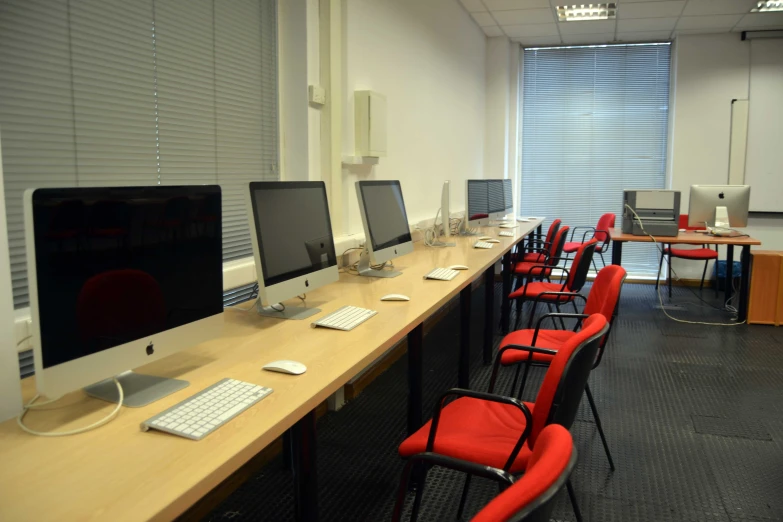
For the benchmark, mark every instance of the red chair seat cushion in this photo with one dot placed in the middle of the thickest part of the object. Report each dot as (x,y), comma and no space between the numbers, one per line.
(539,287)
(533,257)
(549,339)
(478,431)
(526,268)
(701,254)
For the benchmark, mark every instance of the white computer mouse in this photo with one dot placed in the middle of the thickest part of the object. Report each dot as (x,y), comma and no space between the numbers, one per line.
(493,241)
(291,367)
(395,297)
(484,238)
(458,267)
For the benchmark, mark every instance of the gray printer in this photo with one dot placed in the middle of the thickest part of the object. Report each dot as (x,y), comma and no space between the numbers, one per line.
(659,211)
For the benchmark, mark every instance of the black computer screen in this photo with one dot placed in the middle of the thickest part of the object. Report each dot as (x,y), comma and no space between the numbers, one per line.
(293,227)
(114,265)
(385,212)
(508,195)
(497,202)
(478,199)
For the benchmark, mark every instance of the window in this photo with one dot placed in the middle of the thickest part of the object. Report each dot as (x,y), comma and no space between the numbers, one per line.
(147,92)
(594,122)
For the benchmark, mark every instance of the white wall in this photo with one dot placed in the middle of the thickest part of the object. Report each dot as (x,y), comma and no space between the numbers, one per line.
(428,58)
(710,71)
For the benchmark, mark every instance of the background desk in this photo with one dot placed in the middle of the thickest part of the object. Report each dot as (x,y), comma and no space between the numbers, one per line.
(687,238)
(119,473)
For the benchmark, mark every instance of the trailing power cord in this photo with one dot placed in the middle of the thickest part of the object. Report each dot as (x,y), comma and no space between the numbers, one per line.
(658,290)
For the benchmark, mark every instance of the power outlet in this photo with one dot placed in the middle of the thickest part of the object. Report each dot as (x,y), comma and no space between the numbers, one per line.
(316,95)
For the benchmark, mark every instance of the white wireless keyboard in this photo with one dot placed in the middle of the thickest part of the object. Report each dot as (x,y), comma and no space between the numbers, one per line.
(202,413)
(346,318)
(482,244)
(442,274)
(506,234)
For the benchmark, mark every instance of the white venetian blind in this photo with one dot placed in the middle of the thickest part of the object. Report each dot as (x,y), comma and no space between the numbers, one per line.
(594,122)
(110,92)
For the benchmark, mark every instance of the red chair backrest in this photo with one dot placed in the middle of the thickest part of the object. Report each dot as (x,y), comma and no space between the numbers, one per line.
(684,223)
(560,393)
(119,306)
(581,265)
(556,250)
(549,467)
(605,222)
(605,291)
(553,228)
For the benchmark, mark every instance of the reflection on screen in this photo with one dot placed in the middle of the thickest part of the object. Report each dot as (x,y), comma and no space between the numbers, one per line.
(386,217)
(295,235)
(507,195)
(114,265)
(478,199)
(496,200)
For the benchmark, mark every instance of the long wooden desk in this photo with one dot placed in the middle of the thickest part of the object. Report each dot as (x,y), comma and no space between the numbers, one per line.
(119,473)
(691,237)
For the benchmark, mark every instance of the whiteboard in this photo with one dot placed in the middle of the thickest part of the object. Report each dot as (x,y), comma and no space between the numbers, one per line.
(764,162)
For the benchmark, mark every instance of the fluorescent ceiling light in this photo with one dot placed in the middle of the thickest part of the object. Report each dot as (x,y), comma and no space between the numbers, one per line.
(767,5)
(583,12)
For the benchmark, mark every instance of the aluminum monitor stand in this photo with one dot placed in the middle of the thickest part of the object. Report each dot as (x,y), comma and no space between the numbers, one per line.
(138,389)
(296,313)
(366,270)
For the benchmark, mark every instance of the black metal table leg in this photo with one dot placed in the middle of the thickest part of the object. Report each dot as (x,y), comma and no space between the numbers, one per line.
(729,272)
(415,338)
(539,231)
(463,372)
(617,253)
(505,305)
(744,284)
(303,446)
(489,312)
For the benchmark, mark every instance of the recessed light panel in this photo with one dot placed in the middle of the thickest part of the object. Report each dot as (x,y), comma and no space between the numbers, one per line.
(584,12)
(767,6)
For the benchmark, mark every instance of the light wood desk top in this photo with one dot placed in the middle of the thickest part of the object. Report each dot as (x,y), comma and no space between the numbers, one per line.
(689,237)
(118,472)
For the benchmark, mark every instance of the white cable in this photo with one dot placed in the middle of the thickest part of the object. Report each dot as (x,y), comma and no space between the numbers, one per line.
(431,234)
(32,405)
(660,299)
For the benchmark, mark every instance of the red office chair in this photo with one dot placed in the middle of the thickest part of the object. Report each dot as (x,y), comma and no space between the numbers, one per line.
(556,293)
(603,299)
(501,432)
(600,232)
(549,257)
(529,499)
(535,250)
(704,253)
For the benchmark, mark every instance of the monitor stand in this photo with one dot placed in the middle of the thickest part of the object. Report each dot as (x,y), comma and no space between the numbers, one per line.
(138,389)
(366,270)
(290,312)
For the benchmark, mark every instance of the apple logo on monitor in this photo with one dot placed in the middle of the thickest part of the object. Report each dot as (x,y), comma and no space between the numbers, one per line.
(150,349)
(721,196)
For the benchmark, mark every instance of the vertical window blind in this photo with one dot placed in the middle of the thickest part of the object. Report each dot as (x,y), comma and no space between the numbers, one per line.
(594,122)
(110,92)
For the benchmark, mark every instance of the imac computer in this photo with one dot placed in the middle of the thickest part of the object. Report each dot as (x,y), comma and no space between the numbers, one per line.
(293,245)
(476,204)
(386,231)
(719,206)
(445,209)
(120,277)
(497,202)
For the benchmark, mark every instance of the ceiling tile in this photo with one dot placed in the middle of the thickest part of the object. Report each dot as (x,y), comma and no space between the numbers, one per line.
(576,39)
(518,31)
(756,20)
(650,9)
(587,27)
(704,30)
(644,36)
(718,7)
(538,40)
(492,30)
(700,22)
(483,19)
(524,16)
(506,5)
(646,24)
(473,5)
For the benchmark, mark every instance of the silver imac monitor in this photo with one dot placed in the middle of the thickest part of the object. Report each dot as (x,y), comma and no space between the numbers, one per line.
(497,202)
(508,196)
(719,206)
(293,245)
(445,209)
(386,230)
(120,277)
(476,204)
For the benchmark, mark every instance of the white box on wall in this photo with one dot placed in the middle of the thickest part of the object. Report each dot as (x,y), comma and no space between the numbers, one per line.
(370,121)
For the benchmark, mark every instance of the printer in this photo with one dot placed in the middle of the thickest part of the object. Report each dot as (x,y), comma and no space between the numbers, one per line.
(658,210)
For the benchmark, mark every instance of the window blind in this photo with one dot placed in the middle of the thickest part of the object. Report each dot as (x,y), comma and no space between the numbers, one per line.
(594,122)
(106,92)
